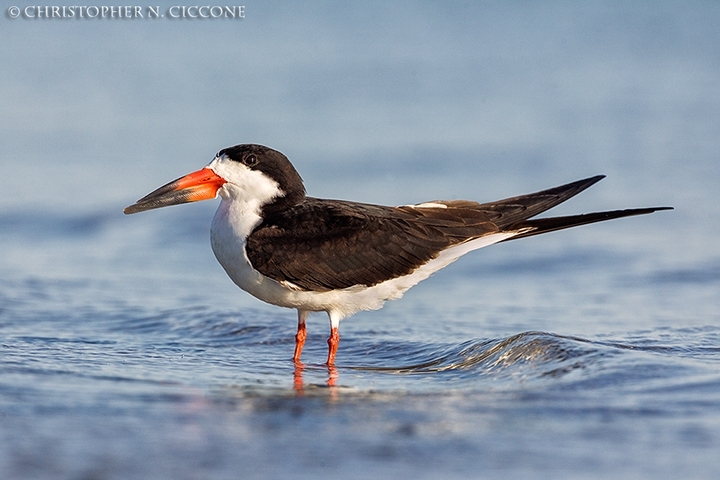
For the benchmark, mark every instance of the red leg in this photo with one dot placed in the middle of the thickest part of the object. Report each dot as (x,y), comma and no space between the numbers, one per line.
(333,343)
(300,336)
(299,342)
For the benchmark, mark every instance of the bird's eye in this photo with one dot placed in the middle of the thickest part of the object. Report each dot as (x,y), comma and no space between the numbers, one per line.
(250,160)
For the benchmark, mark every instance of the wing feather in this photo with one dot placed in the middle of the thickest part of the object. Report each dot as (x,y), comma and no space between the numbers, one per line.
(329,244)
(324,245)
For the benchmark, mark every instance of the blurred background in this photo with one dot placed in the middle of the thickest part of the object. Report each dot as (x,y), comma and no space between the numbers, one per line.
(370,100)
(127,353)
(381,102)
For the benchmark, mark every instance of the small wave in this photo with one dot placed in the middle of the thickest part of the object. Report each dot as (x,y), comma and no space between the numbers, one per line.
(643,361)
(546,354)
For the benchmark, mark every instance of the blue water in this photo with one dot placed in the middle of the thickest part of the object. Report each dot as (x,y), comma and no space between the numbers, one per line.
(125,352)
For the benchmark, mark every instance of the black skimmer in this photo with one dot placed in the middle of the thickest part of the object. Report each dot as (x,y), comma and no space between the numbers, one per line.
(341,257)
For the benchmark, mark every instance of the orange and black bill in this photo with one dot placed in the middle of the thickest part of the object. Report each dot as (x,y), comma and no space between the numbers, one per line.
(200,185)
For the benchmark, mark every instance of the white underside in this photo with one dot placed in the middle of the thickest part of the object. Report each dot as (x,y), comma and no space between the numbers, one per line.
(234,221)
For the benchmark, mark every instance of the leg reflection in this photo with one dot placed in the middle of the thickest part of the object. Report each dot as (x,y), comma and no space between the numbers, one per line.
(298,383)
(332,376)
(299,380)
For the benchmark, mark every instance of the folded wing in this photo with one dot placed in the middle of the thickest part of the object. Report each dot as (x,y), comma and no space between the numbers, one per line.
(327,244)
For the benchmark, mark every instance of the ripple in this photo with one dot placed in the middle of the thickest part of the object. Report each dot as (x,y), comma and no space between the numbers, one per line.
(200,344)
(547,353)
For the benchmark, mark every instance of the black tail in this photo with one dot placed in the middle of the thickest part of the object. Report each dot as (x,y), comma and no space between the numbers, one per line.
(545,225)
(517,209)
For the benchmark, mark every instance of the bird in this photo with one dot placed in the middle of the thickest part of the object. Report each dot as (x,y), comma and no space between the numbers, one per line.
(338,256)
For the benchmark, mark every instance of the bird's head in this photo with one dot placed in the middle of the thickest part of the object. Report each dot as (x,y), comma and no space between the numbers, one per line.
(251,173)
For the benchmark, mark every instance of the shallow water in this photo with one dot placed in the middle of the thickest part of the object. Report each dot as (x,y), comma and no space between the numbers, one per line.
(125,352)
(143,371)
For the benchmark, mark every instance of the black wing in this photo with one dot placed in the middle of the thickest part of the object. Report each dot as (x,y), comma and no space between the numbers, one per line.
(328,244)
(324,245)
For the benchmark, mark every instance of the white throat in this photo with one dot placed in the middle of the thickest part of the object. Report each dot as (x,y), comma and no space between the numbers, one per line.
(243,197)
